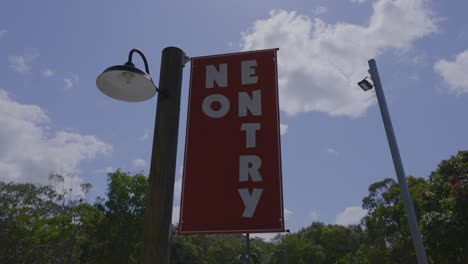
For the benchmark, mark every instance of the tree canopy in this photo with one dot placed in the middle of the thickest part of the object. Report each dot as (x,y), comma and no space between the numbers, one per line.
(52,224)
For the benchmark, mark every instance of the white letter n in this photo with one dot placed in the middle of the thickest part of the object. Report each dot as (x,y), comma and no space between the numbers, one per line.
(213,75)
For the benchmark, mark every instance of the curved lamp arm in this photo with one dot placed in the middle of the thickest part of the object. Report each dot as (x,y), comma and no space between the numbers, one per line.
(130,54)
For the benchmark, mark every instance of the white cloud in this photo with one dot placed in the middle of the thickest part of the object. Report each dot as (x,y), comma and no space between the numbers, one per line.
(269,236)
(350,216)
(105,170)
(71,82)
(29,154)
(320,10)
(265,236)
(283,129)
(18,63)
(180,171)
(68,83)
(454,72)
(287,214)
(22,63)
(139,162)
(175,214)
(358,1)
(3,33)
(331,151)
(313,216)
(319,63)
(178,185)
(177,189)
(145,135)
(47,72)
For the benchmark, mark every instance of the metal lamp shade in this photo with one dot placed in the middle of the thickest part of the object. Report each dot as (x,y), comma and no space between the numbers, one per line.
(126,83)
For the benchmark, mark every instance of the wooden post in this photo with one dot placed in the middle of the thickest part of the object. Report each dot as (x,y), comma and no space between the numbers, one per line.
(158,214)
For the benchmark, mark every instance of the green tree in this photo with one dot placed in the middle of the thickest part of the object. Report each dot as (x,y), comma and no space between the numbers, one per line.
(121,230)
(208,249)
(387,231)
(52,224)
(318,243)
(224,248)
(188,249)
(301,249)
(337,241)
(445,217)
(24,209)
(40,225)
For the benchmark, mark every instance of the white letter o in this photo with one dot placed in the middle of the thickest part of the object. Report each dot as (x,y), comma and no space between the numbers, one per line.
(209,100)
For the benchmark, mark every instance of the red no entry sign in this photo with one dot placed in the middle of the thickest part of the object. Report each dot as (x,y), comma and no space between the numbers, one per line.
(232,168)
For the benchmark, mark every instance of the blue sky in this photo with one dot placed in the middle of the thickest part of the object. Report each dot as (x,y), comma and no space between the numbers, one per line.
(53,118)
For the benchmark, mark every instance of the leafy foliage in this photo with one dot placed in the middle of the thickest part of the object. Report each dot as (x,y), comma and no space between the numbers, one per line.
(121,230)
(52,224)
(38,225)
(445,206)
(388,234)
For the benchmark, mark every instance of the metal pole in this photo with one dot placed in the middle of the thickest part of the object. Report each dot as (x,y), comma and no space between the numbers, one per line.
(405,194)
(247,248)
(158,214)
(286,254)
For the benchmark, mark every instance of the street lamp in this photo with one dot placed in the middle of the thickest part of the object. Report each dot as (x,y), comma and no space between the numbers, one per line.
(365,84)
(128,83)
(405,194)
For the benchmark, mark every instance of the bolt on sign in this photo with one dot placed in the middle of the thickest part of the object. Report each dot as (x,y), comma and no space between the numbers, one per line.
(232,169)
